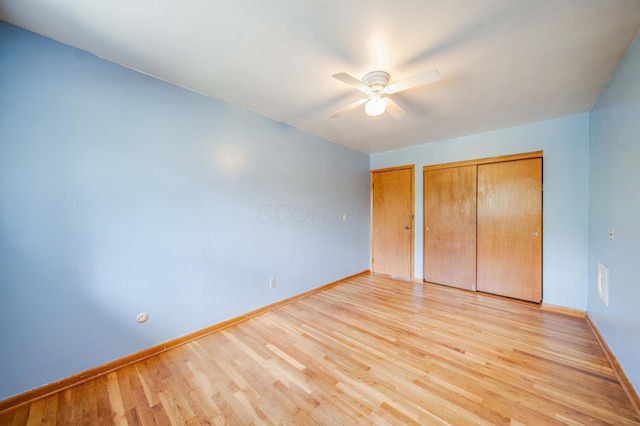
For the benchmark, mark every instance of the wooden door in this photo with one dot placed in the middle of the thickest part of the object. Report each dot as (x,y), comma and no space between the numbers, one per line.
(510,229)
(450,226)
(392,222)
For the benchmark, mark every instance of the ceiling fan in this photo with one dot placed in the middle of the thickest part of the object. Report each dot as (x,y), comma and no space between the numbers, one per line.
(376,86)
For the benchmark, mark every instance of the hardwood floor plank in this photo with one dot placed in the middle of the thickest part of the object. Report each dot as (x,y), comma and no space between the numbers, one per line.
(36,413)
(89,396)
(65,408)
(115,399)
(20,416)
(372,350)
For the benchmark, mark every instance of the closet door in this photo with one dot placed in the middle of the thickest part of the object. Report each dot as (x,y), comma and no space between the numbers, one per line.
(509,229)
(450,226)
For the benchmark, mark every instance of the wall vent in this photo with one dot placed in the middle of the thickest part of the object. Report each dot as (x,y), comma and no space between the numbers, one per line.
(603,283)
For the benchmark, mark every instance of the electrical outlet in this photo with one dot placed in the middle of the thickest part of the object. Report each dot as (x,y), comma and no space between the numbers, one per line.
(272,283)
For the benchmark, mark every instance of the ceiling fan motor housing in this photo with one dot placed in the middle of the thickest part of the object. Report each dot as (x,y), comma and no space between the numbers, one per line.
(377,81)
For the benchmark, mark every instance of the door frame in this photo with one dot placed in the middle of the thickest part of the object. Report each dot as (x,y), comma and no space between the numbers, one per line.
(410,167)
(500,159)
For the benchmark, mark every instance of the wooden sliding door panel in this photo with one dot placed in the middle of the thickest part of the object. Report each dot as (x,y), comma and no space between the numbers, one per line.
(392,222)
(450,226)
(509,229)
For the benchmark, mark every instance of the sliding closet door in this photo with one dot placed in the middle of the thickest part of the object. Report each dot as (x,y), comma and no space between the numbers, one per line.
(509,229)
(450,226)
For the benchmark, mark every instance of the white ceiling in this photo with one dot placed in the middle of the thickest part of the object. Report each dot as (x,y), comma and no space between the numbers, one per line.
(503,62)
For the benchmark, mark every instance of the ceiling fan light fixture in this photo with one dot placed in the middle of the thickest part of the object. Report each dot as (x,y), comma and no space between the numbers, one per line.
(375,85)
(375,106)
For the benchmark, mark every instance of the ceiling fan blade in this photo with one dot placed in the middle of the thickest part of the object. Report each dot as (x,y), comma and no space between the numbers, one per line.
(349,107)
(415,81)
(351,81)
(394,109)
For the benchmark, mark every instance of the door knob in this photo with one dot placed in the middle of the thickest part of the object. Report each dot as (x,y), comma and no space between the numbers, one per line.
(407,227)
(535,233)
(426,228)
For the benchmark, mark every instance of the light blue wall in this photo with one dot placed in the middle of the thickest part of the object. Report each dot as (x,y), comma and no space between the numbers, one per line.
(614,202)
(565,168)
(120,193)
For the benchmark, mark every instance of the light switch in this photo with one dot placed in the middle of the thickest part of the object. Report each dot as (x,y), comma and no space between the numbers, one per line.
(612,233)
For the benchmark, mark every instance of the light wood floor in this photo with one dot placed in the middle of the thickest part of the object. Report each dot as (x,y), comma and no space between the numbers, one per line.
(370,351)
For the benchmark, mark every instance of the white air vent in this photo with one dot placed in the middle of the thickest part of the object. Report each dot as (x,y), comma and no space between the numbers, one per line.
(603,283)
